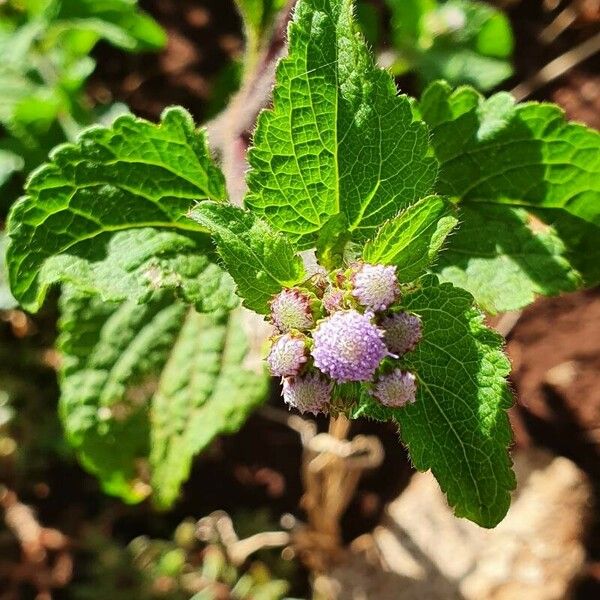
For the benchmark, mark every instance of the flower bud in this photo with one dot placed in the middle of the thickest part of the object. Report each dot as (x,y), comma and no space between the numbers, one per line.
(402,332)
(308,393)
(375,286)
(396,389)
(287,356)
(291,309)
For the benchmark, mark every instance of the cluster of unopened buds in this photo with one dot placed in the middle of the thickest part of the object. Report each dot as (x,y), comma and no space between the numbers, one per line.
(345,328)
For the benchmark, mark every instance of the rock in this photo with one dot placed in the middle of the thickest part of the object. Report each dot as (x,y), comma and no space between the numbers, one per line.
(425,553)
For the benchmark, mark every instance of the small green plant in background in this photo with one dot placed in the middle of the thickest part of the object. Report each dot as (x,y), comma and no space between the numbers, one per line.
(473,204)
(45,47)
(182,568)
(461,41)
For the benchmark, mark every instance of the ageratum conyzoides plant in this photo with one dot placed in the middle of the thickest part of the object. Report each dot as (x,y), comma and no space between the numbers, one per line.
(376,231)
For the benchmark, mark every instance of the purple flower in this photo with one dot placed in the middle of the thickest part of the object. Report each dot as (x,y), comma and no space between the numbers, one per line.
(287,356)
(290,309)
(375,286)
(402,332)
(307,393)
(348,347)
(396,389)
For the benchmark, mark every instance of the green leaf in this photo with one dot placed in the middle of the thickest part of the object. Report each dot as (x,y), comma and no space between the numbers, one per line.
(526,155)
(496,157)
(580,239)
(120,22)
(260,260)
(157,376)
(143,262)
(132,175)
(458,426)
(412,240)
(258,14)
(502,261)
(112,356)
(339,140)
(204,391)
(408,20)
(461,41)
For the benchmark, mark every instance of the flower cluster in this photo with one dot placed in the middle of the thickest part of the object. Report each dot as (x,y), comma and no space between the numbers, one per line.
(348,329)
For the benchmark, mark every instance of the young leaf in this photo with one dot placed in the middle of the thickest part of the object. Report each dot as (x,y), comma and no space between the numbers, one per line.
(338,139)
(132,175)
(204,391)
(458,426)
(155,374)
(412,240)
(502,261)
(260,260)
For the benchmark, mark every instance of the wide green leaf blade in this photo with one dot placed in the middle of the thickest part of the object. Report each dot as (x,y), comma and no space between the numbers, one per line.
(458,426)
(496,153)
(136,379)
(204,390)
(580,239)
(412,240)
(260,260)
(339,140)
(503,261)
(140,263)
(132,175)
(527,155)
(112,356)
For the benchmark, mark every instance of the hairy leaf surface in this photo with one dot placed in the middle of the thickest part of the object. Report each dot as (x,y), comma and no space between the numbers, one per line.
(411,241)
(204,390)
(338,141)
(517,154)
(132,175)
(503,261)
(261,261)
(496,156)
(158,375)
(458,426)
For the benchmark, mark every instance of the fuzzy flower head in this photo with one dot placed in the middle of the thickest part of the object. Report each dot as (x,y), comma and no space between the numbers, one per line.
(375,286)
(396,389)
(402,332)
(287,356)
(290,309)
(348,347)
(308,393)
